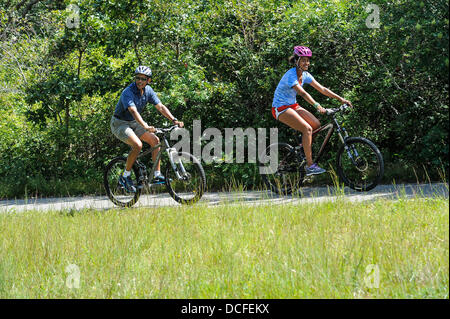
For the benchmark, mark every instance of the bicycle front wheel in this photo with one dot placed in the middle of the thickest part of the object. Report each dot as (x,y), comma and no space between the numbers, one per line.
(360,166)
(286,176)
(116,193)
(187,183)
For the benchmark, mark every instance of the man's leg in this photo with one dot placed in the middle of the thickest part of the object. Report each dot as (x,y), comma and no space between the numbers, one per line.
(136,147)
(152,140)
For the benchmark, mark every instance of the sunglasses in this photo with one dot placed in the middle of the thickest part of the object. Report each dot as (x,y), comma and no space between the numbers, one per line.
(138,78)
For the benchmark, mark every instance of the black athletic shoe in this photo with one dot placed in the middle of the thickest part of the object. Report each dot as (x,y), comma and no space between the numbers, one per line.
(127,184)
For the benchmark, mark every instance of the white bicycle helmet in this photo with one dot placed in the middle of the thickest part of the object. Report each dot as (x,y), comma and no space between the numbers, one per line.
(142,69)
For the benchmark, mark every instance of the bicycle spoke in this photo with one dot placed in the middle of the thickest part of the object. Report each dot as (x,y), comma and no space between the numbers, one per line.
(114,190)
(361,165)
(289,174)
(188,186)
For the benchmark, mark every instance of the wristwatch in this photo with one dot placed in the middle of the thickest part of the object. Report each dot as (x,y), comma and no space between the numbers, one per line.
(174,119)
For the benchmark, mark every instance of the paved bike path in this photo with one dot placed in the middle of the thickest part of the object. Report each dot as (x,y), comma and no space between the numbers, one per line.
(309,194)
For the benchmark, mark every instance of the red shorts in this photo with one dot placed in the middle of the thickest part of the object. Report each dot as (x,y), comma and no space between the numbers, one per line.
(277,111)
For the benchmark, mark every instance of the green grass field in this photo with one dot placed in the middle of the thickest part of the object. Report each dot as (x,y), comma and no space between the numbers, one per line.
(340,249)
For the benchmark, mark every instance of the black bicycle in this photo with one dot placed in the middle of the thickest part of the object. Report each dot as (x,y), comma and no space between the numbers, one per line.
(359,163)
(185,177)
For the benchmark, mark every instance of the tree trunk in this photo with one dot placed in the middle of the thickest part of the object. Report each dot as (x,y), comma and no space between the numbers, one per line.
(136,51)
(66,106)
(79,62)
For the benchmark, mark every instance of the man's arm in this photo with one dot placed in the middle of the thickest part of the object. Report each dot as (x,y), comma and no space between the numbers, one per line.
(165,111)
(134,112)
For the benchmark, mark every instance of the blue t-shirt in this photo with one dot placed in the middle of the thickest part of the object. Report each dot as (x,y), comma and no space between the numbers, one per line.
(131,96)
(285,93)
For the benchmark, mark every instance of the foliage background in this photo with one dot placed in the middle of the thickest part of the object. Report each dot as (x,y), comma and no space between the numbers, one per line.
(218,61)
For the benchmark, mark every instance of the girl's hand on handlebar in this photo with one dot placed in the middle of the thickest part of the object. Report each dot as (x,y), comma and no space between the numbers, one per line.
(179,123)
(344,101)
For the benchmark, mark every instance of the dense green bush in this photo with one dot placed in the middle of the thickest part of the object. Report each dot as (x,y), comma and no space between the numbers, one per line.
(218,61)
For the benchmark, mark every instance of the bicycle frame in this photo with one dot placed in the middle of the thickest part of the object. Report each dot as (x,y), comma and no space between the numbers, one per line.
(164,146)
(158,156)
(342,133)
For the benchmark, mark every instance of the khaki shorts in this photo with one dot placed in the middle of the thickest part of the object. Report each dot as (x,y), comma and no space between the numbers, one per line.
(124,129)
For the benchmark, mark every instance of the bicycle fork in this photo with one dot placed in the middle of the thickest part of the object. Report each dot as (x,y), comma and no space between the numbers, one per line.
(351,150)
(174,160)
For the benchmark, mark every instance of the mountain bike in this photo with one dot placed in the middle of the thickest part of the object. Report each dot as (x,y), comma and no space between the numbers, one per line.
(359,162)
(184,175)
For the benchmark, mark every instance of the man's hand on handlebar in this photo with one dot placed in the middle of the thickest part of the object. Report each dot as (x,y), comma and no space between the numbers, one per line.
(151,129)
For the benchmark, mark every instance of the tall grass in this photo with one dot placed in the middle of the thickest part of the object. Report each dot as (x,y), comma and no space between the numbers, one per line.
(232,251)
(39,185)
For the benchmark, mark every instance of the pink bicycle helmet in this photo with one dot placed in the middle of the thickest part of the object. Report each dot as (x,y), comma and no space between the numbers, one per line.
(302,51)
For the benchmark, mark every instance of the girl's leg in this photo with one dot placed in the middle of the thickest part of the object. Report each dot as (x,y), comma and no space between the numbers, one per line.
(292,119)
(308,117)
(312,121)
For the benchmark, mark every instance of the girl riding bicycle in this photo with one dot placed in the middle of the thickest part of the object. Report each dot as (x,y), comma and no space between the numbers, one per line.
(286,109)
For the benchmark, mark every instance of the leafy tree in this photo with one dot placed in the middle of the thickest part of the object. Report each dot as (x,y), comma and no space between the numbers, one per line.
(62,72)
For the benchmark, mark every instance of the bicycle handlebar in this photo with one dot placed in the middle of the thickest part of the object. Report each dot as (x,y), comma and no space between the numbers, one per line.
(339,109)
(166,129)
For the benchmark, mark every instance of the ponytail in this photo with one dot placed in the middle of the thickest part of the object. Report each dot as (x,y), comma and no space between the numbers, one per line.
(293,59)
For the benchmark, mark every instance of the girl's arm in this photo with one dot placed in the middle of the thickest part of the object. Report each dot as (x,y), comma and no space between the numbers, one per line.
(329,93)
(308,98)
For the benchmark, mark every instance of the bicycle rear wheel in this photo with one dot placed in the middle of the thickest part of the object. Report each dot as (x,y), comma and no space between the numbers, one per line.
(189,186)
(361,166)
(116,193)
(288,175)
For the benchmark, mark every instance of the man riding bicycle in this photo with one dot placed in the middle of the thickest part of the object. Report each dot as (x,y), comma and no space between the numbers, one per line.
(286,109)
(129,127)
